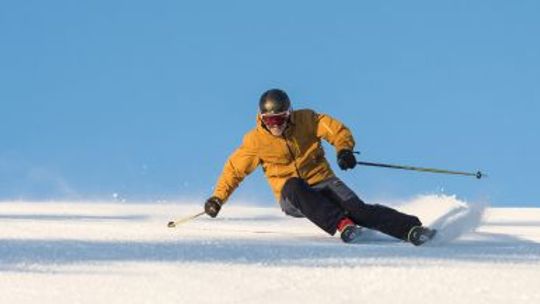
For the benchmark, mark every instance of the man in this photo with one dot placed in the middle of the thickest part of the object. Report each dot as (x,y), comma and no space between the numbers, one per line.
(287,144)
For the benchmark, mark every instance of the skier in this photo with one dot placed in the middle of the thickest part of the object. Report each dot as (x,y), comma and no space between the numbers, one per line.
(287,144)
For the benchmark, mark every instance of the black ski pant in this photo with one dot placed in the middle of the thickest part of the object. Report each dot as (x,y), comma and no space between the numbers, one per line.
(326,203)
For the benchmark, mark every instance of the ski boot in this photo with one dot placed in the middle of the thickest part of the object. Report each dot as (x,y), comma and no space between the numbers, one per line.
(418,235)
(350,232)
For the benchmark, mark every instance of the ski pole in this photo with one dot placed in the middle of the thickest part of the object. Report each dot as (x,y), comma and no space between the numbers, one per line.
(173,224)
(478,174)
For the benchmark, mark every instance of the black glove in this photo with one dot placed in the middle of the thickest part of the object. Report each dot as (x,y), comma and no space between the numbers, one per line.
(346,159)
(212,206)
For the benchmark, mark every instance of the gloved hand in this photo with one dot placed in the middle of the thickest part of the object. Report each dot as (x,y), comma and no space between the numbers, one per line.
(212,206)
(346,159)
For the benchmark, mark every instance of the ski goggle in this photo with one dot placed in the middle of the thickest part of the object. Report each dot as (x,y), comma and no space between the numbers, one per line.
(275,120)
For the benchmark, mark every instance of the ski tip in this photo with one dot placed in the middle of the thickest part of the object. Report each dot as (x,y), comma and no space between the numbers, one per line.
(171,224)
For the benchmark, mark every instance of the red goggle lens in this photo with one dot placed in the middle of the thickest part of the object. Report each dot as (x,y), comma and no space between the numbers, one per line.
(273,120)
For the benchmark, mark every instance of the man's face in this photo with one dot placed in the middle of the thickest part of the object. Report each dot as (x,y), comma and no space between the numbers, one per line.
(276,123)
(278,130)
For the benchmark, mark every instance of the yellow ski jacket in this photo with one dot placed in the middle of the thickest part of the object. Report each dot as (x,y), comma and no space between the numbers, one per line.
(297,153)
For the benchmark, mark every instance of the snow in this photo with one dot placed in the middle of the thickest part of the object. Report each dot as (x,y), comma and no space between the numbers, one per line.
(62,252)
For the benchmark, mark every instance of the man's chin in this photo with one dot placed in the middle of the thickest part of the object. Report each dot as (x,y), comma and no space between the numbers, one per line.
(276,131)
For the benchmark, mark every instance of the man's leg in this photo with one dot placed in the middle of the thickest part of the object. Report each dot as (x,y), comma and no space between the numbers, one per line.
(377,217)
(312,204)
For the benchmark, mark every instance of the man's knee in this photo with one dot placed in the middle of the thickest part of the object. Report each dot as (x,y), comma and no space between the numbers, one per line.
(289,209)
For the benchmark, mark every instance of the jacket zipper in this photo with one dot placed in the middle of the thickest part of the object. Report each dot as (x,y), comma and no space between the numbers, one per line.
(292,156)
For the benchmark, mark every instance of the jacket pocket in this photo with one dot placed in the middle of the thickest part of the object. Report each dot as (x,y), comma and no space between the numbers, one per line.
(277,165)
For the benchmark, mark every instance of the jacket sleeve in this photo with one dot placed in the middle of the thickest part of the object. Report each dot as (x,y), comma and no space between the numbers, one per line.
(334,132)
(241,163)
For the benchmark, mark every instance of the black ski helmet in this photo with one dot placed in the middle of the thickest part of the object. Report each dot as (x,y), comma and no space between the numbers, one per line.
(274,101)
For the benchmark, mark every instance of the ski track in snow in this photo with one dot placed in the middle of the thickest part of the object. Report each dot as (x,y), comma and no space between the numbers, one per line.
(124,253)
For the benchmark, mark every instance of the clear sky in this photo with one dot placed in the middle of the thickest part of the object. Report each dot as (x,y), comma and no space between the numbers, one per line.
(144,100)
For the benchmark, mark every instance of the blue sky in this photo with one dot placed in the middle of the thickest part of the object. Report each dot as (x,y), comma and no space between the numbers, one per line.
(144,100)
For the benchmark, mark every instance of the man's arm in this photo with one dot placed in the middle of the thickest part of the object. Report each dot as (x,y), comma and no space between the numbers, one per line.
(241,163)
(337,134)
(334,132)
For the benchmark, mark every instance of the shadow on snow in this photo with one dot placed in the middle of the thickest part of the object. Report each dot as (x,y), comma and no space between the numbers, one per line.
(72,217)
(16,255)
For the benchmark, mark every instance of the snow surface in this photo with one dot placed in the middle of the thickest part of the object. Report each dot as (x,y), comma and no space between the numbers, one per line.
(124,253)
